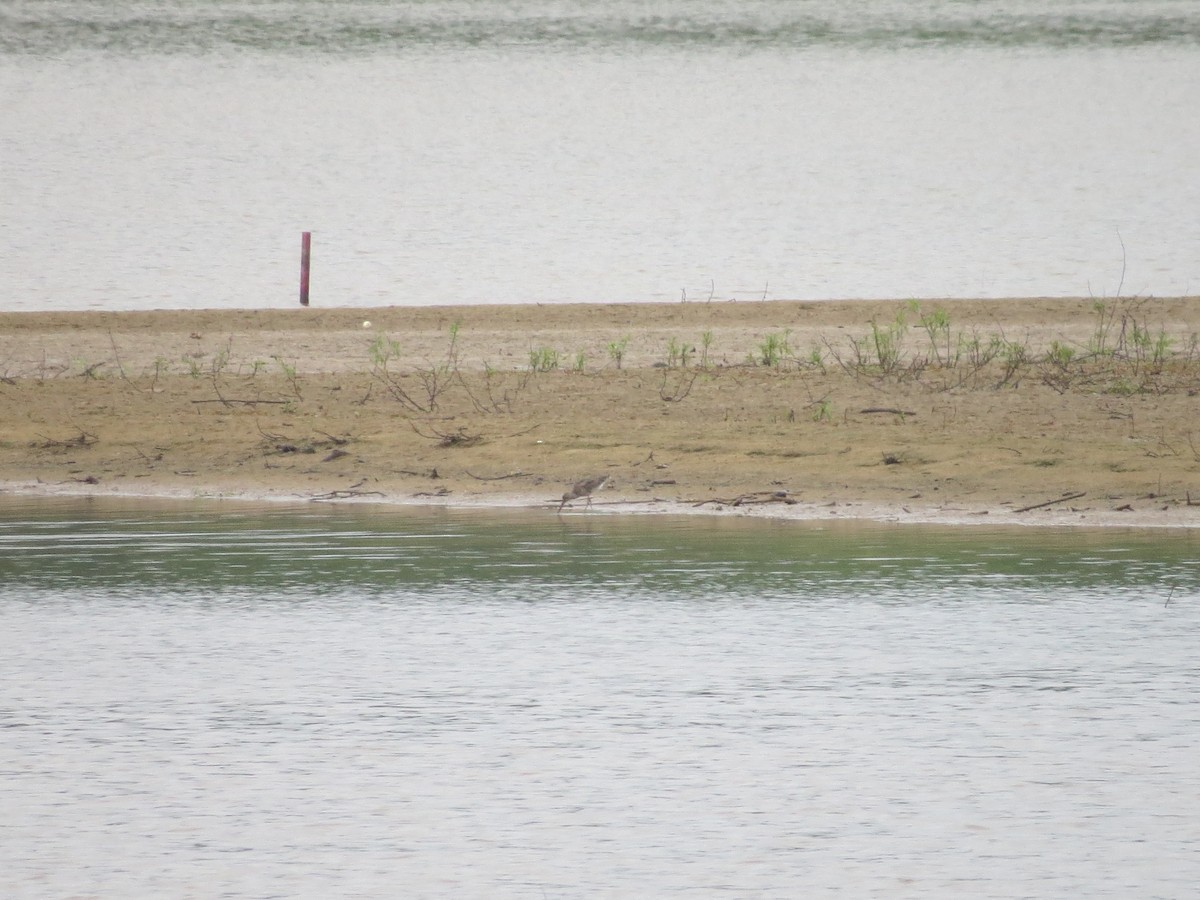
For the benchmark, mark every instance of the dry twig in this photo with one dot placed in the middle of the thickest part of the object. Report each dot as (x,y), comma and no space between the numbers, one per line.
(1062,499)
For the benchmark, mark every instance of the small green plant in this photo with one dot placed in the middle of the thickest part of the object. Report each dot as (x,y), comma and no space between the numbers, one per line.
(1060,354)
(383,350)
(452,350)
(822,411)
(774,348)
(288,369)
(1098,344)
(672,353)
(616,350)
(1162,349)
(435,378)
(1014,357)
(879,353)
(1057,370)
(162,366)
(886,341)
(580,360)
(678,353)
(289,372)
(543,359)
(220,361)
(706,342)
(977,352)
(937,326)
(1149,348)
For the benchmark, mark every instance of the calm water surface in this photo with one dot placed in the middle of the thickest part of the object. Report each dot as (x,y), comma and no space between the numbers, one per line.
(227,700)
(169,154)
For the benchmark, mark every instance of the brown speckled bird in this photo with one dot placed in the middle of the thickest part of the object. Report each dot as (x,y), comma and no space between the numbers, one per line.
(583,488)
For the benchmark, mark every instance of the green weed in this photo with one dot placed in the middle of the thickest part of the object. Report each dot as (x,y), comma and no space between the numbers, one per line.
(543,359)
(774,348)
(678,353)
(706,342)
(616,350)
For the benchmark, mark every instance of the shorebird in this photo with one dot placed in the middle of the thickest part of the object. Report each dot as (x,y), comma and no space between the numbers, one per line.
(583,488)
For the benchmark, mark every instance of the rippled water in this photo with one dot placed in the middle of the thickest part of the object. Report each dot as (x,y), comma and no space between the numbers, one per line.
(169,154)
(357,26)
(226,700)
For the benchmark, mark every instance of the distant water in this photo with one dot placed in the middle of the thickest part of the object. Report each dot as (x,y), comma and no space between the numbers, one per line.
(219,700)
(169,154)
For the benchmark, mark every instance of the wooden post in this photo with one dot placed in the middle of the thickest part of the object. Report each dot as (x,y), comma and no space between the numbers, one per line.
(305,249)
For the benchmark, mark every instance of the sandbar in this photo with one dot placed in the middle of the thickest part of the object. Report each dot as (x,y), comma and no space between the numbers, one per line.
(1029,411)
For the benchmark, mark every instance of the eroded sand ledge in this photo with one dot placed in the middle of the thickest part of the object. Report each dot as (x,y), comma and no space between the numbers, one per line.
(301,404)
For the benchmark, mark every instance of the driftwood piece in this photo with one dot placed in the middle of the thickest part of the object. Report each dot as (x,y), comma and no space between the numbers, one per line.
(1062,499)
(345,495)
(755,497)
(83,439)
(494,477)
(229,401)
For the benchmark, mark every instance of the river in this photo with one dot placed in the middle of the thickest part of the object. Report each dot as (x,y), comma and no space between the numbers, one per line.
(208,699)
(170,154)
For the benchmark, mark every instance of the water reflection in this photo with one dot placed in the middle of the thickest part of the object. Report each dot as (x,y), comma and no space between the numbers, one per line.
(54,545)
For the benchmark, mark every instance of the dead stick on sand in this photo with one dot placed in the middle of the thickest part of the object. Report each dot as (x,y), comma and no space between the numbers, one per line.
(83,439)
(555,503)
(345,495)
(228,400)
(1062,499)
(745,499)
(887,409)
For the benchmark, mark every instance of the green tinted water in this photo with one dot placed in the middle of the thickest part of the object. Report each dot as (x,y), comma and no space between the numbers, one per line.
(108,545)
(202,699)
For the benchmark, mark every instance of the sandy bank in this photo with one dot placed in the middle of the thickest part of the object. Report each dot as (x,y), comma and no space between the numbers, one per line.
(1054,412)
